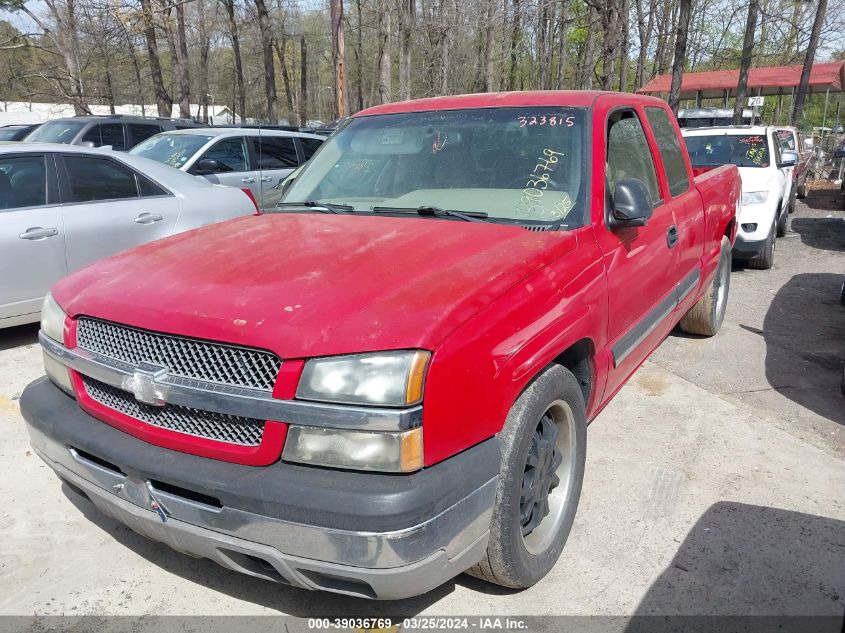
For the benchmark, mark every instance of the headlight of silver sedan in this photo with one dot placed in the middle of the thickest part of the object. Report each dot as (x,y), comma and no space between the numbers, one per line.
(393,379)
(53,325)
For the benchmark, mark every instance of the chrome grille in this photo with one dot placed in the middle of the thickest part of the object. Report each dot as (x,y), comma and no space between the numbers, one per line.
(207,424)
(185,357)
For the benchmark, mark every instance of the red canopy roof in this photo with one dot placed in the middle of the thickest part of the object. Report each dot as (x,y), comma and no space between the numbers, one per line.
(770,81)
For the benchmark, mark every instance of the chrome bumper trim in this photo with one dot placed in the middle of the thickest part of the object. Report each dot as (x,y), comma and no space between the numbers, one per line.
(240,401)
(394,564)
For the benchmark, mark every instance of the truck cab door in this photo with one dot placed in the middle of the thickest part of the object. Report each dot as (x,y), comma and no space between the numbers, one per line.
(108,207)
(32,238)
(638,259)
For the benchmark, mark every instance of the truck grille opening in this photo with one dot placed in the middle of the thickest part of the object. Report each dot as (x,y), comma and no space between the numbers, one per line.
(185,357)
(190,495)
(222,427)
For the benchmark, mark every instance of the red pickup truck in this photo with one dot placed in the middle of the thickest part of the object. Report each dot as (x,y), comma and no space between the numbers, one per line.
(388,382)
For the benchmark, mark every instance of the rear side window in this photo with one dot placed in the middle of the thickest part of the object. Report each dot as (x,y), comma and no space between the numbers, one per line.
(147,187)
(309,146)
(141,132)
(106,134)
(91,179)
(23,182)
(628,153)
(230,154)
(670,150)
(275,152)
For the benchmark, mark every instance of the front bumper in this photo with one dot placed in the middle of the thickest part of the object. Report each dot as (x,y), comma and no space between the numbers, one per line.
(747,249)
(372,535)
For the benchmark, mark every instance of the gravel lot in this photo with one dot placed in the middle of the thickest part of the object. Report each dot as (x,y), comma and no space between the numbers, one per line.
(715,483)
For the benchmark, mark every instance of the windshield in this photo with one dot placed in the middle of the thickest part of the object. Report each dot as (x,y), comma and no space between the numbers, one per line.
(56,132)
(749,150)
(171,149)
(515,164)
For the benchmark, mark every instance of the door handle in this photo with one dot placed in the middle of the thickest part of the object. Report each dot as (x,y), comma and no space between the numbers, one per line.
(266,179)
(38,233)
(672,236)
(148,218)
(248,180)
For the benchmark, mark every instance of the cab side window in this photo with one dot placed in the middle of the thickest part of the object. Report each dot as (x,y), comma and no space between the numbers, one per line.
(628,153)
(670,150)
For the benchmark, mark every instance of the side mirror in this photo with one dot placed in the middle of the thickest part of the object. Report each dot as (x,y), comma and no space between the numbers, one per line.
(788,158)
(206,166)
(632,203)
(89,144)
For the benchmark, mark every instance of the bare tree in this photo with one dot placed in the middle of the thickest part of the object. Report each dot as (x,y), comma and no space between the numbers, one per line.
(407,14)
(809,58)
(339,59)
(164,102)
(489,34)
(680,54)
(745,62)
(645,24)
(229,5)
(266,33)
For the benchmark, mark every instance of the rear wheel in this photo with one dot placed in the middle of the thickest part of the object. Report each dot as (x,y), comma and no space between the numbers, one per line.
(707,315)
(544,446)
(766,259)
(782,221)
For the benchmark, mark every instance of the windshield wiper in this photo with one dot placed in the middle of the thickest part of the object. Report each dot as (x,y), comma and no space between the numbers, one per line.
(316,205)
(436,212)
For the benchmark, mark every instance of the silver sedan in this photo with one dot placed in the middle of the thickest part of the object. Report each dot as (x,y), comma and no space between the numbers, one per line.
(62,207)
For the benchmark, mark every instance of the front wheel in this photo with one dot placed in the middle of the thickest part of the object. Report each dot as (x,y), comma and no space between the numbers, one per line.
(544,446)
(708,313)
(766,258)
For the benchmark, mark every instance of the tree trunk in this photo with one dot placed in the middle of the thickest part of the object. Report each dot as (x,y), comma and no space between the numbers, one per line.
(303,79)
(515,28)
(406,23)
(384,69)
(236,51)
(624,25)
(183,64)
(339,59)
(563,33)
(610,27)
(488,77)
(205,46)
(586,66)
(644,28)
(745,62)
(281,47)
(809,58)
(266,32)
(164,102)
(443,33)
(680,54)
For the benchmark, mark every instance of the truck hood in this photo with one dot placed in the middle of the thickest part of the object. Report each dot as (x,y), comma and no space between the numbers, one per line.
(310,284)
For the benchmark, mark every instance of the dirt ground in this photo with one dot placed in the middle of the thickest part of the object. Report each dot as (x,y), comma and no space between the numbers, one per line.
(715,483)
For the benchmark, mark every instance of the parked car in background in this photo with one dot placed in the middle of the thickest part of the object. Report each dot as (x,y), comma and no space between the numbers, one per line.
(390,382)
(16,132)
(255,158)
(766,183)
(116,131)
(792,139)
(63,207)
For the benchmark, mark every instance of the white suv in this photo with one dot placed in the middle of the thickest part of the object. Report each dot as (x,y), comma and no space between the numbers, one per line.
(764,167)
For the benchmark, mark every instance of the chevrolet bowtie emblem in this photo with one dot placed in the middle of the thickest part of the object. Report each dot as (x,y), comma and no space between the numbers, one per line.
(143,385)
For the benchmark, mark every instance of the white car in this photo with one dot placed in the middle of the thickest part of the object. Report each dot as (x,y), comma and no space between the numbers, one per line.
(63,206)
(238,157)
(765,168)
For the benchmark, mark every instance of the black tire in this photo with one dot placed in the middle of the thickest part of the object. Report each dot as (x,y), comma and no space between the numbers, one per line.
(793,195)
(766,258)
(782,221)
(517,561)
(802,190)
(708,313)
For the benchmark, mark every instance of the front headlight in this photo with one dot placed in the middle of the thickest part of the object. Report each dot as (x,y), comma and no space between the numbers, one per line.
(360,450)
(382,378)
(754,197)
(53,325)
(53,319)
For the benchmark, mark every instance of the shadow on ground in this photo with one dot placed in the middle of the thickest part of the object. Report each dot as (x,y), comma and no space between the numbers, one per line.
(752,560)
(804,331)
(18,336)
(823,233)
(282,598)
(824,199)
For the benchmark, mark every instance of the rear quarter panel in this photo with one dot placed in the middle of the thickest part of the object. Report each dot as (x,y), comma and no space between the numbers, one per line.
(206,205)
